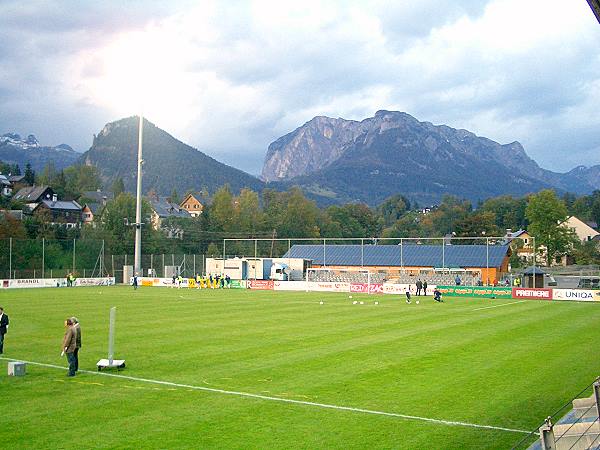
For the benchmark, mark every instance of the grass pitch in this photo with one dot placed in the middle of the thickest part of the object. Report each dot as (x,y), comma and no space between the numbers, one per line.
(500,363)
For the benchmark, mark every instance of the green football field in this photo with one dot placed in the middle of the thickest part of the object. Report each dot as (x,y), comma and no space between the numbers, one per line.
(263,369)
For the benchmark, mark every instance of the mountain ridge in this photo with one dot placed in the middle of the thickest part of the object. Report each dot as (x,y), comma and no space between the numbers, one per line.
(168,163)
(17,150)
(381,150)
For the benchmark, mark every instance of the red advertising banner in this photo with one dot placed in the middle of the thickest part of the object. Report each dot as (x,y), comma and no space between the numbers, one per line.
(263,285)
(535,294)
(366,288)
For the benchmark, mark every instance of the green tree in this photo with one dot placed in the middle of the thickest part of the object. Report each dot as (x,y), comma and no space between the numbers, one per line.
(393,208)
(586,252)
(477,224)
(174,197)
(509,212)
(250,215)
(221,214)
(118,187)
(546,214)
(353,220)
(300,218)
(408,225)
(29,175)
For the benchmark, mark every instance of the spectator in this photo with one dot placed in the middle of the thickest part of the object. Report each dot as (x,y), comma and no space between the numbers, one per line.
(69,344)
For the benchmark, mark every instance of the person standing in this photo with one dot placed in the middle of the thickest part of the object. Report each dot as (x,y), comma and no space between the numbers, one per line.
(77,328)
(3,328)
(407,294)
(135,282)
(424,287)
(69,344)
(419,286)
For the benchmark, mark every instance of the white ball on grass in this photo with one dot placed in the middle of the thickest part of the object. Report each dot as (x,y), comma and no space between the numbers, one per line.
(354,302)
(349,296)
(321,302)
(417,302)
(362,303)
(377,303)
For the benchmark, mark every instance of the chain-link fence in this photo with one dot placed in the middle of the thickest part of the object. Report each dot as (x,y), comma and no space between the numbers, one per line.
(53,258)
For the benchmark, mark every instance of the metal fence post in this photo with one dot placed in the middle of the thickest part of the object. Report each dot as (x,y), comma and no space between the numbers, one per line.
(43,255)
(597,396)
(547,436)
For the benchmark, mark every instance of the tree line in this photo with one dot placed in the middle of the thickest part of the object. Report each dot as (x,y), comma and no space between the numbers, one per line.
(290,214)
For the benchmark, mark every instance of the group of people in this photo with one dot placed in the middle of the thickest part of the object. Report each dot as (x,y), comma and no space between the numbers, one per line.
(204,281)
(421,286)
(71,344)
(70,279)
(437,295)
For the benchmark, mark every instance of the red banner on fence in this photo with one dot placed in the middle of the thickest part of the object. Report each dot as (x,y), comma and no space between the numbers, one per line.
(540,294)
(263,285)
(366,288)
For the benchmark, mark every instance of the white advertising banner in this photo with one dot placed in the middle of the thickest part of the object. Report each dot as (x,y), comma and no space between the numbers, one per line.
(400,289)
(289,285)
(328,286)
(106,281)
(579,295)
(55,282)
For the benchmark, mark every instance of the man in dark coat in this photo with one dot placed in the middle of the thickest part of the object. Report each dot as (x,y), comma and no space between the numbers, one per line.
(419,287)
(77,328)
(424,287)
(3,328)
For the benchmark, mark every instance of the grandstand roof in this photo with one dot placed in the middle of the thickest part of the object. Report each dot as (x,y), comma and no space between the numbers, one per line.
(408,255)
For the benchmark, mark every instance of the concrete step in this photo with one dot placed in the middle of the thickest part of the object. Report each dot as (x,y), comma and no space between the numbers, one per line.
(584,402)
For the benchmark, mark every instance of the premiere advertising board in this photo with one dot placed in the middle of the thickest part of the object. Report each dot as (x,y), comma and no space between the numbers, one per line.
(532,293)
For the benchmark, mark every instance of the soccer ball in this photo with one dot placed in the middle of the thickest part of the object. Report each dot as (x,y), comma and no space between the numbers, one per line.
(362,303)
(349,296)
(354,302)
(377,303)
(321,302)
(417,302)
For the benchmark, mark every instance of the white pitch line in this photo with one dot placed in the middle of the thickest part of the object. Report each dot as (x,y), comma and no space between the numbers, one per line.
(498,306)
(282,400)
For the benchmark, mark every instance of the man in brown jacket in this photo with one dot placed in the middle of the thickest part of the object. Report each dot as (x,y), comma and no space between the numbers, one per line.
(68,346)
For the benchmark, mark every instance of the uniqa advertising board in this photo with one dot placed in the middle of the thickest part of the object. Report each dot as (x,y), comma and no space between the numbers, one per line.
(579,295)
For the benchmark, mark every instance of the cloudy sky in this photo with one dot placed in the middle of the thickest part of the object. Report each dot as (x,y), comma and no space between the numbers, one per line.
(230,77)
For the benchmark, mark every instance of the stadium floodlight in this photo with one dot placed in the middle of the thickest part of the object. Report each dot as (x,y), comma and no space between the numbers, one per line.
(110,361)
(138,205)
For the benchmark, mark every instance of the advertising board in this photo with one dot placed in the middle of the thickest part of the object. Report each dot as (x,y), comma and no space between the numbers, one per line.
(263,285)
(476,291)
(366,288)
(578,295)
(531,293)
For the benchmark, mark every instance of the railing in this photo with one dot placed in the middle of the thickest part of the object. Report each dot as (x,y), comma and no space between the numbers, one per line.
(563,430)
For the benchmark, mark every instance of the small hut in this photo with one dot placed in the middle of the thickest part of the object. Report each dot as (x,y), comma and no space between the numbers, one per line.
(533,277)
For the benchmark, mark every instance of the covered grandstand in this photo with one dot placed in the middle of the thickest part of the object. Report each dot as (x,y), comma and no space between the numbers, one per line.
(440,264)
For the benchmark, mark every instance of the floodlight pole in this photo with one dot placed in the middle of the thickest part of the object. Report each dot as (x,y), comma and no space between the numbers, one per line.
(138,205)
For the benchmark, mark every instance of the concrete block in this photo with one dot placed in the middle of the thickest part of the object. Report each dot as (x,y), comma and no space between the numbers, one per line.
(16,368)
